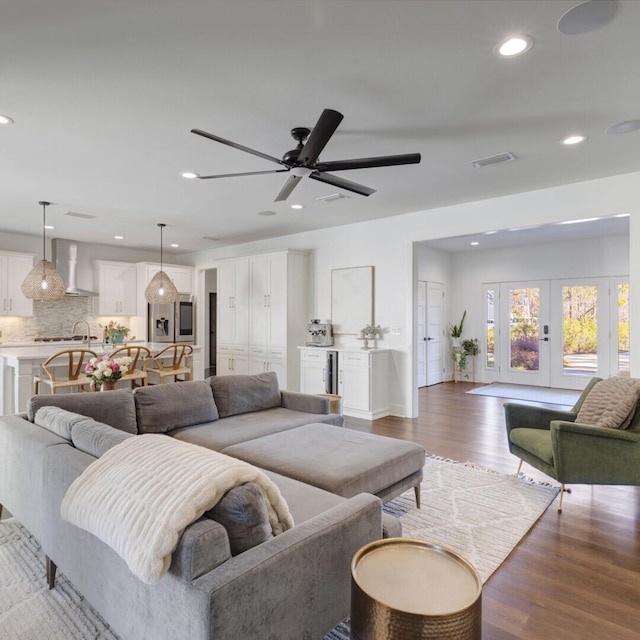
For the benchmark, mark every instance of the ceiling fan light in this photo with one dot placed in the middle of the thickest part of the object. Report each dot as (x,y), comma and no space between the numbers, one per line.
(43,282)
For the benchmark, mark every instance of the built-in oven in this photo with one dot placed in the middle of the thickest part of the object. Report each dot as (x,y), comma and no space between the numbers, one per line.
(172,322)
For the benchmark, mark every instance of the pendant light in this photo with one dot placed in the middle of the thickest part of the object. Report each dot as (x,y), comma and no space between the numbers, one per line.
(44,282)
(161,289)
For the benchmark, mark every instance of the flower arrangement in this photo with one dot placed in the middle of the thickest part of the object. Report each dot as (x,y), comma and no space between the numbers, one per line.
(114,332)
(107,369)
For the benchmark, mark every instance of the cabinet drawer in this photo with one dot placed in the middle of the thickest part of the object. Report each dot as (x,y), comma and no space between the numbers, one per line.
(314,356)
(354,359)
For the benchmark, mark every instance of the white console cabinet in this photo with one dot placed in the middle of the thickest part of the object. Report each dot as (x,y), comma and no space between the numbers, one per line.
(363,379)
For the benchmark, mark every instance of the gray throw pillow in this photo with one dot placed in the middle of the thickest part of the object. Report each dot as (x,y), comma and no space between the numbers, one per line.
(96,438)
(242,394)
(114,408)
(164,407)
(57,420)
(243,512)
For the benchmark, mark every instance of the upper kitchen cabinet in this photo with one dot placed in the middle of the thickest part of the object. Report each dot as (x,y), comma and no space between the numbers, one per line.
(14,268)
(116,284)
(181,276)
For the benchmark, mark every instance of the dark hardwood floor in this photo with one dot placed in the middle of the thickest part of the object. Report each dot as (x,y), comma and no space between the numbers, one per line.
(575,575)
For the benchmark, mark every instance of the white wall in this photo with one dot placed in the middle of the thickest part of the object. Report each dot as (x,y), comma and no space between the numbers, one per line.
(388,245)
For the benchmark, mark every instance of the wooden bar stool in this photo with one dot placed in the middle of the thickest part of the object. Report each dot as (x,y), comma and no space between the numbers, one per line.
(136,373)
(65,369)
(172,361)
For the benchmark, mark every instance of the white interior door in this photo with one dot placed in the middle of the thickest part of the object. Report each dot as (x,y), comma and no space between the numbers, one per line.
(421,333)
(435,332)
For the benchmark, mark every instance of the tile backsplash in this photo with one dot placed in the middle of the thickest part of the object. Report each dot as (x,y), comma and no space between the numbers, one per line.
(52,318)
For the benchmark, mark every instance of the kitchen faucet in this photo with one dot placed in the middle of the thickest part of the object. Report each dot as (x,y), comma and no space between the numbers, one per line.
(88,334)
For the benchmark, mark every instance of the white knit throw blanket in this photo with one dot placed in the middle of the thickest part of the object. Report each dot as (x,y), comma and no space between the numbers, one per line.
(140,496)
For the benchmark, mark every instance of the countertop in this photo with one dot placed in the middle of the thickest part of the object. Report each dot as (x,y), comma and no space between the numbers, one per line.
(42,350)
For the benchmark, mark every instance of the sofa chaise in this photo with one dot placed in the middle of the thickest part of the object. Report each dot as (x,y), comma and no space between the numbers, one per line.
(225,581)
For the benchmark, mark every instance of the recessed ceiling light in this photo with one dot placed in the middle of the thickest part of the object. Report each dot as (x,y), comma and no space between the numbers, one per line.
(490,233)
(475,243)
(514,46)
(587,16)
(174,245)
(575,139)
(297,206)
(5,119)
(628,126)
(49,226)
(118,237)
(266,213)
(190,175)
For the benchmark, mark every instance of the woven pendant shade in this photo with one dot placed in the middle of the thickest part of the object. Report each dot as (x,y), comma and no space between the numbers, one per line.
(44,282)
(161,289)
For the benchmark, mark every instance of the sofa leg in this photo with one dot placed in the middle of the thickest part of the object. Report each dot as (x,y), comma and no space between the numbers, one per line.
(51,572)
(417,492)
(519,467)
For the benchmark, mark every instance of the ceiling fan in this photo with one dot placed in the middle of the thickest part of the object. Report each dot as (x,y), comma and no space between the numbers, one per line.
(304,159)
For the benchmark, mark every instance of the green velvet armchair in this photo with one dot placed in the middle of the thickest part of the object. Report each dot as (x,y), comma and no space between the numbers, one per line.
(551,441)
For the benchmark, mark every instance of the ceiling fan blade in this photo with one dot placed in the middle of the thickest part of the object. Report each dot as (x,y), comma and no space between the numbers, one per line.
(235,145)
(325,127)
(367,163)
(289,186)
(245,173)
(341,183)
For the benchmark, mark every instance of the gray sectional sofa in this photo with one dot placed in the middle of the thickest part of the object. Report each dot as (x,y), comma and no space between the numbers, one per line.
(229,578)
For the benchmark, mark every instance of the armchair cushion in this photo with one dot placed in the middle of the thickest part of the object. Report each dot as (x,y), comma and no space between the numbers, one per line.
(611,403)
(535,441)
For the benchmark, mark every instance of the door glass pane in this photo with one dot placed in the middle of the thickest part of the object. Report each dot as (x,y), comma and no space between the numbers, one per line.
(490,361)
(524,328)
(580,330)
(623,328)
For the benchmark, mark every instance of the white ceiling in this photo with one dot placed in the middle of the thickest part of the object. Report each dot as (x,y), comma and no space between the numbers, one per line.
(104,95)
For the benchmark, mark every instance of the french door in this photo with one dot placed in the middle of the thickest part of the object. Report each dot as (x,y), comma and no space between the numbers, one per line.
(557,333)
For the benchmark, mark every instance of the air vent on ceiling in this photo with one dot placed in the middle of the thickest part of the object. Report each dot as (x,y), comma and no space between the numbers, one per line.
(210,238)
(500,157)
(333,197)
(74,214)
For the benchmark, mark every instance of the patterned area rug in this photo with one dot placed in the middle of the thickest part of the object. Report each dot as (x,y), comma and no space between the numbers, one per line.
(480,514)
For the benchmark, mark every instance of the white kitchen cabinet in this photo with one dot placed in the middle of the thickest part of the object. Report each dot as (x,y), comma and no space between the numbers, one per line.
(363,383)
(231,360)
(268,290)
(14,268)
(233,302)
(116,284)
(262,359)
(313,370)
(262,305)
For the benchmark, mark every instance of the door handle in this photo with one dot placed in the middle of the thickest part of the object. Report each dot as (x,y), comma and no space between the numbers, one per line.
(428,338)
(545,339)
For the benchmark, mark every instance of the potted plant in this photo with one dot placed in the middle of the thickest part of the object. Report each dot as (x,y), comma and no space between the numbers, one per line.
(471,346)
(114,332)
(371,332)
(455,330)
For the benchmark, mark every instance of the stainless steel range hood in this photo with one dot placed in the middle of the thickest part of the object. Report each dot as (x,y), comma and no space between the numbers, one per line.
(65,256)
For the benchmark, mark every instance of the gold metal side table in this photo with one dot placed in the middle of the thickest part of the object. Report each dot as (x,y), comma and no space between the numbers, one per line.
(405,589)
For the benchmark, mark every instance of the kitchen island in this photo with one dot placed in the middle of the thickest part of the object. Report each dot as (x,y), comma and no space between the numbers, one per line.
(19,363)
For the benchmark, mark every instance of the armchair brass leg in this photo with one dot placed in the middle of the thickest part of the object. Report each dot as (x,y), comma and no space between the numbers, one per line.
(519,467)
(417,492)
(51,572)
